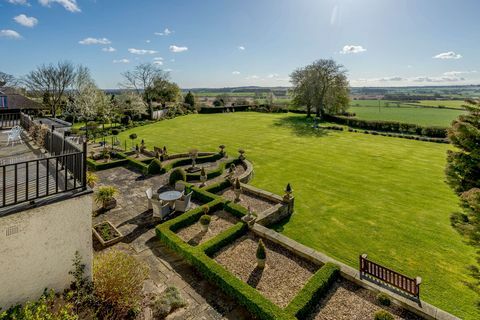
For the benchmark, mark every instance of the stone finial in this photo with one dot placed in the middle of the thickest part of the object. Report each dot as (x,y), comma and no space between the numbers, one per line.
(242,154)
(288,192)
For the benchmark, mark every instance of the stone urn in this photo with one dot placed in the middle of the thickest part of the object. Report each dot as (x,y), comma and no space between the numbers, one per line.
(250,217)
(203,177)
(241,154)
(237,190)
(222,149)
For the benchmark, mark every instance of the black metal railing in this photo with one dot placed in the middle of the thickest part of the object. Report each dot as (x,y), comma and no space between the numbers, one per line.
(30,180)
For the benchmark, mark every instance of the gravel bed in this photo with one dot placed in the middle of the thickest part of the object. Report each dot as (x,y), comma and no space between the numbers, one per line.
(249,200)
(285,273)
(346,300)
(194,235)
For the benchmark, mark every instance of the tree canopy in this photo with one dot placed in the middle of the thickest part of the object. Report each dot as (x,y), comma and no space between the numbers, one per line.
(322,85)
(190,99)
(51,81)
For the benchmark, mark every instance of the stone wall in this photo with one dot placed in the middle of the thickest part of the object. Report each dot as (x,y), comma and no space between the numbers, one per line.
(38,245)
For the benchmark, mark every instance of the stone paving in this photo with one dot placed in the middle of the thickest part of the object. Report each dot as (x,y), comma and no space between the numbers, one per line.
(205,301)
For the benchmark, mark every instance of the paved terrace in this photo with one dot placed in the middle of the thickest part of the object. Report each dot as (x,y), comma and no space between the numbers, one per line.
(205,301)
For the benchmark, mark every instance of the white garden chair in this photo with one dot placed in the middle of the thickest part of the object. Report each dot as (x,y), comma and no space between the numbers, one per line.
(160,210)
(15,136)
(149,194)
(183,205)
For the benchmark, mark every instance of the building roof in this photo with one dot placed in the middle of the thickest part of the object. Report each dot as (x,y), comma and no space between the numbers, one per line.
(15,100)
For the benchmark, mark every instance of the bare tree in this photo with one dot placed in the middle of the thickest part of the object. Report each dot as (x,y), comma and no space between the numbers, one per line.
(143,77)
(323,85)
(7,80)
(51,81)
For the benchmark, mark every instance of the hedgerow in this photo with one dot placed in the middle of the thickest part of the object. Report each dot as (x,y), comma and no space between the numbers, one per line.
(392,126)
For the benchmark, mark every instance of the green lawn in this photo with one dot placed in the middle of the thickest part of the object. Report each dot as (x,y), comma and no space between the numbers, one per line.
(355,193)
(421,116)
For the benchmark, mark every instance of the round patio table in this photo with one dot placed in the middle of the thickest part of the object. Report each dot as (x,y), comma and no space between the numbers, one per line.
(170,196)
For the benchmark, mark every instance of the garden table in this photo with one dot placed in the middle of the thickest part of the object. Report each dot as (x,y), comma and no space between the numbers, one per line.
(170,196)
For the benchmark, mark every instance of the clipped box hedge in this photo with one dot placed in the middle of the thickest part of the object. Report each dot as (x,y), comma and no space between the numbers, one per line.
(249,297)
(98,166)
(305,301)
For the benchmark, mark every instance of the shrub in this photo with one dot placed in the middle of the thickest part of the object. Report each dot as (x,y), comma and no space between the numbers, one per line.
(154,167)
(261,253)
(92,179)
(115,132)
(205,220)
(383,315)
(105,194)
(169,301)
(118,281)
(177,175)
(384,299)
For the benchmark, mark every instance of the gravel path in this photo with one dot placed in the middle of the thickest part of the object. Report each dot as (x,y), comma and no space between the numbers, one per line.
(348,301)
(249,200)
(194,235)
(283,277)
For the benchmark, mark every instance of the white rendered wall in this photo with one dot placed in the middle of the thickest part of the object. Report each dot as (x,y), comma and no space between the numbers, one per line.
(37,247)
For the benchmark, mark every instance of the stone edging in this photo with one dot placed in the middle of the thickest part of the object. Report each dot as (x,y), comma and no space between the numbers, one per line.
(421,308)
(248,174)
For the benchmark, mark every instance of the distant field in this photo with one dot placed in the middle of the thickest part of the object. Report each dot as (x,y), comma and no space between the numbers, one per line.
(420,116)
(457,104)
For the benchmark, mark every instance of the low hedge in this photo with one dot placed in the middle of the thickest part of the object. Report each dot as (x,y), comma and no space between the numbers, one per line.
(212,173)
(213,245)
(249,297)
(305,301)
(391,126)
(137,164)
(98,166)
(217,187)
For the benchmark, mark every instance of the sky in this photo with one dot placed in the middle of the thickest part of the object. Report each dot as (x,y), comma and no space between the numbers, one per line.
(224,43)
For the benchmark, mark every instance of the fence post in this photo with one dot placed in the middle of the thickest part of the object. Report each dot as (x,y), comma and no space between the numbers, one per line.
(84,164)
(418,281)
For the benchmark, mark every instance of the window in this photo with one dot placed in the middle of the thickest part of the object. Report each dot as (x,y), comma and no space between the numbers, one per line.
(3,102)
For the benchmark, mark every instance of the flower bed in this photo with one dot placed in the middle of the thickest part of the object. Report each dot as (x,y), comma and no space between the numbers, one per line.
(283,277)
(220,221)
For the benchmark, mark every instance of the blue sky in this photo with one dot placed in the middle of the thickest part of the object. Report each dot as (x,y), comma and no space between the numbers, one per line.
(220,43)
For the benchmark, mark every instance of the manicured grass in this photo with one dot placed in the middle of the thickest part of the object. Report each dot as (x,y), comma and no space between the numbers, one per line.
(416,115)
(457,104)
(355,193)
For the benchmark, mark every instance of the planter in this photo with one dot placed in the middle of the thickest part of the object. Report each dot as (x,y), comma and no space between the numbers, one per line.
(106,233)
(261,263)
(109,204)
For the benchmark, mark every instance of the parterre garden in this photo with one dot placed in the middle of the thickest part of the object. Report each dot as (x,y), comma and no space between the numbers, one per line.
(355,193)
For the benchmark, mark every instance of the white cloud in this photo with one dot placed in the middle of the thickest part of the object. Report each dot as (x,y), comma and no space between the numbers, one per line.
(168,70)
(236,72)
(177,49)
(147,41)
(352,49)
(165,32)
(21,2)
(158,61)
(89,41)
(69,5)
(121,61)
(11,34)
(109,49)
(456,73)
(448,55)
(141,51)
(26,21)
(253,77)
(437,79)
(241,48)
(272,75)
(395,78)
